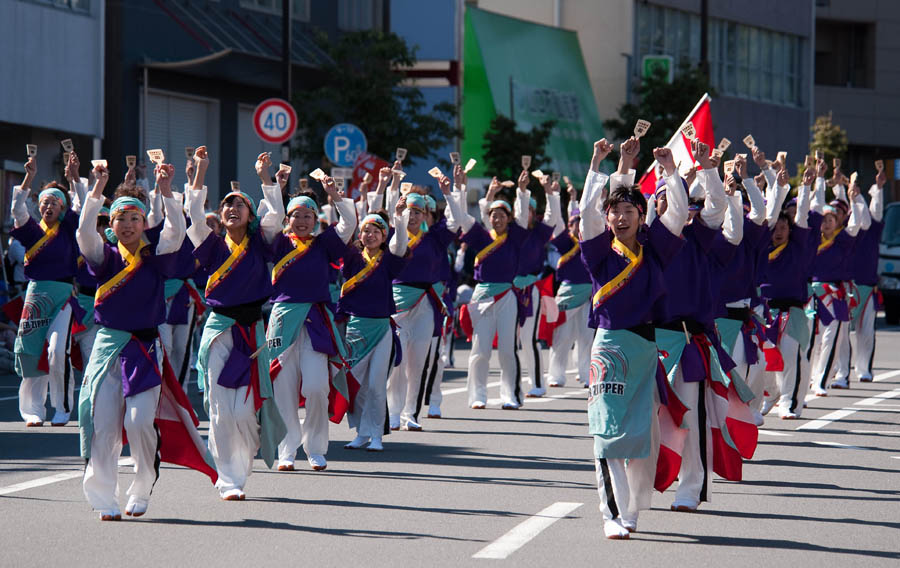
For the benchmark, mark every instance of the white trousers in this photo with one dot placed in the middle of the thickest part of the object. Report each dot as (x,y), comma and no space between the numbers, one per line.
(414,329)
(303,370)
(370,406)
(574,331)
(531,349)
(626,486)
(111,412)
(33,390)
(233,427)
(85,341)
(696,458)
(863,340)
(177,339)
(792,382)
(499,318)
(824,352)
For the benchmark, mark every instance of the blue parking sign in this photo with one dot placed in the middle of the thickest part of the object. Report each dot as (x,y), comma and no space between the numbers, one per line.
(343,143)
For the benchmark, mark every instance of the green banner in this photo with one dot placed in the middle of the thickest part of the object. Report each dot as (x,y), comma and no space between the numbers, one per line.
(531,73)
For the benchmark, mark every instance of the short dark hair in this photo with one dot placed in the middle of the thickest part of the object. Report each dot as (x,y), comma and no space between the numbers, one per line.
(783,216)
(626,194)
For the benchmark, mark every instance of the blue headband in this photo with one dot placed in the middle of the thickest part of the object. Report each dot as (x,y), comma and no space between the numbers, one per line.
(431,203)
(124,204)
(416,201)
(373,218)
(245,197)
(500,203)
(302,201)
(532,202)
(54,192)
(103,211)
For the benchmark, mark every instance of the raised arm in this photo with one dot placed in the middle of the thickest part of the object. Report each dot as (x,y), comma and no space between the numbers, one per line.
(715,203)
(89,241)
(754,195)
(857,208)
(393,192)
(733,224)
(456,219)
(198,231)
(817,202)
(172,234)
(21,193)
(876,205)
(347,220)
(676,213)
(272,221)
(775,196)
(400,239)
(552,213)
(523,196)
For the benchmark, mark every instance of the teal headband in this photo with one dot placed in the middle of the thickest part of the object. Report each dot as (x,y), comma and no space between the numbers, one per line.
(431,203)
(532,202)
(104,212)
(500,203)
(250,203)
(373,218)
(302,201)
(416,201)
(123,204)
(54,192)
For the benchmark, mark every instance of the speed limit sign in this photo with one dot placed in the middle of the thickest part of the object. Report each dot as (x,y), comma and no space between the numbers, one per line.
(275,121)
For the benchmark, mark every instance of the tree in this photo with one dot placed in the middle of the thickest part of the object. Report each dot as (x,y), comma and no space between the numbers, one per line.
(504,146)
(362,85)
(828,138)
(664,104)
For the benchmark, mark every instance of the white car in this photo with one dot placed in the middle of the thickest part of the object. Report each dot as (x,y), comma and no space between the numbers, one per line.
(889,263)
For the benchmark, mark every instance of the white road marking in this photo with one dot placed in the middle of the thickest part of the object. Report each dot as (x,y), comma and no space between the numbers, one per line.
(824,421)
(9,398)
(845,412)
(879,397)
(888,375)
(550,397)
(773,433)
(525,531)
(458,390)
(838,445)
(882,432)
(55,478)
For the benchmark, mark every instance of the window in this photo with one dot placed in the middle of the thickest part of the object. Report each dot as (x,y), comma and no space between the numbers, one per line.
(845,54)
(360,15)
(299,8)
(744,61)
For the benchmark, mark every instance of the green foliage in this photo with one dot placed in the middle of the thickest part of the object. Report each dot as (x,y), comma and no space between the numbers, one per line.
(362,85)
(665,105)
(505,145)
(827,137)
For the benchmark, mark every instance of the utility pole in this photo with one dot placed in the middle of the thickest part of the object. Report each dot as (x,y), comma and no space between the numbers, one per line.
(286,67)
(704,38)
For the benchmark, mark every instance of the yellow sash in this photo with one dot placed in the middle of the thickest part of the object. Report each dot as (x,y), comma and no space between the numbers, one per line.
(825,244)
(491,248)
(777,252)
(80,261)
(49,234)
(238,251)
(621,279)
(576,248)
(414,240)
(371,264)
(132,263)
(301,247)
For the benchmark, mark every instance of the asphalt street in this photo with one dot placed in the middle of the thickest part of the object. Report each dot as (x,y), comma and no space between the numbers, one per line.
(480,487)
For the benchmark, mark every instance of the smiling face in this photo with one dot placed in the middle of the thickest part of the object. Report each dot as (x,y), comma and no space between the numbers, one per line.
(624,219)
(499,220)
(50,207)
(416,216)
(302,221)
(235,213)
(128,228)
(372,236)
(829,224)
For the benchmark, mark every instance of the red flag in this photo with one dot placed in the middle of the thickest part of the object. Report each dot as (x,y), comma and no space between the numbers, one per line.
(366,163)
(701,117)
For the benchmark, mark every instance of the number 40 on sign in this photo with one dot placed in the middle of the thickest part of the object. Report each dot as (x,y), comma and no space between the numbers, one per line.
(275,121)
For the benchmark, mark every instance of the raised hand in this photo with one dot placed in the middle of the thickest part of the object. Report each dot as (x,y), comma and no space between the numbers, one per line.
(665,159)
(881,179)
(701,153)
(263,162)
(523,179)
(444,183)
(740,165)
(602,148)
(759,157)
(730,184)
(282,177)
(809,176)
(821,168)
(493,188)
(330,188)
(30,173)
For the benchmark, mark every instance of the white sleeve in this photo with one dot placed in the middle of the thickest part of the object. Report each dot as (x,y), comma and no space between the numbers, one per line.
(156,214)
(817,202)
(801,218)
(775,197)
(20,205)
(676,213)
(770,175)
(592,194)
(89,240)
(198,231)
(391,199)
(484,207)
(375,200)
(840,192)
(346,224)
(272,222)
(521,206)
(651,210)
(552,214)
(854,223)
(757,205)
(876,206)
(172,234)
(715,204)
(617,180)
(80,190)
(865,218)
(456,218)
(398,243)
(460,262)
(733,225)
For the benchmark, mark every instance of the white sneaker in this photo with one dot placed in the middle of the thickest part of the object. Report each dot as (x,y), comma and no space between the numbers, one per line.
(375,445)
(788,415)
(630,525)
(819,392)
(411,425)
(536,393)
(110,515)
(613,530)
(136,507)
(394,421)
(865,379)
(758,418)
(60,418)
(232,495)
(478,405)
(434,411)
(843,383)
(32,421)
(357,443)
(510,406)
(684,507)
(767,405)
(317,462)
(556,383)
(285,465)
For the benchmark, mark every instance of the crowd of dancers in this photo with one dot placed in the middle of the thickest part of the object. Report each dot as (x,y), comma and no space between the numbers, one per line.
(688,316)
